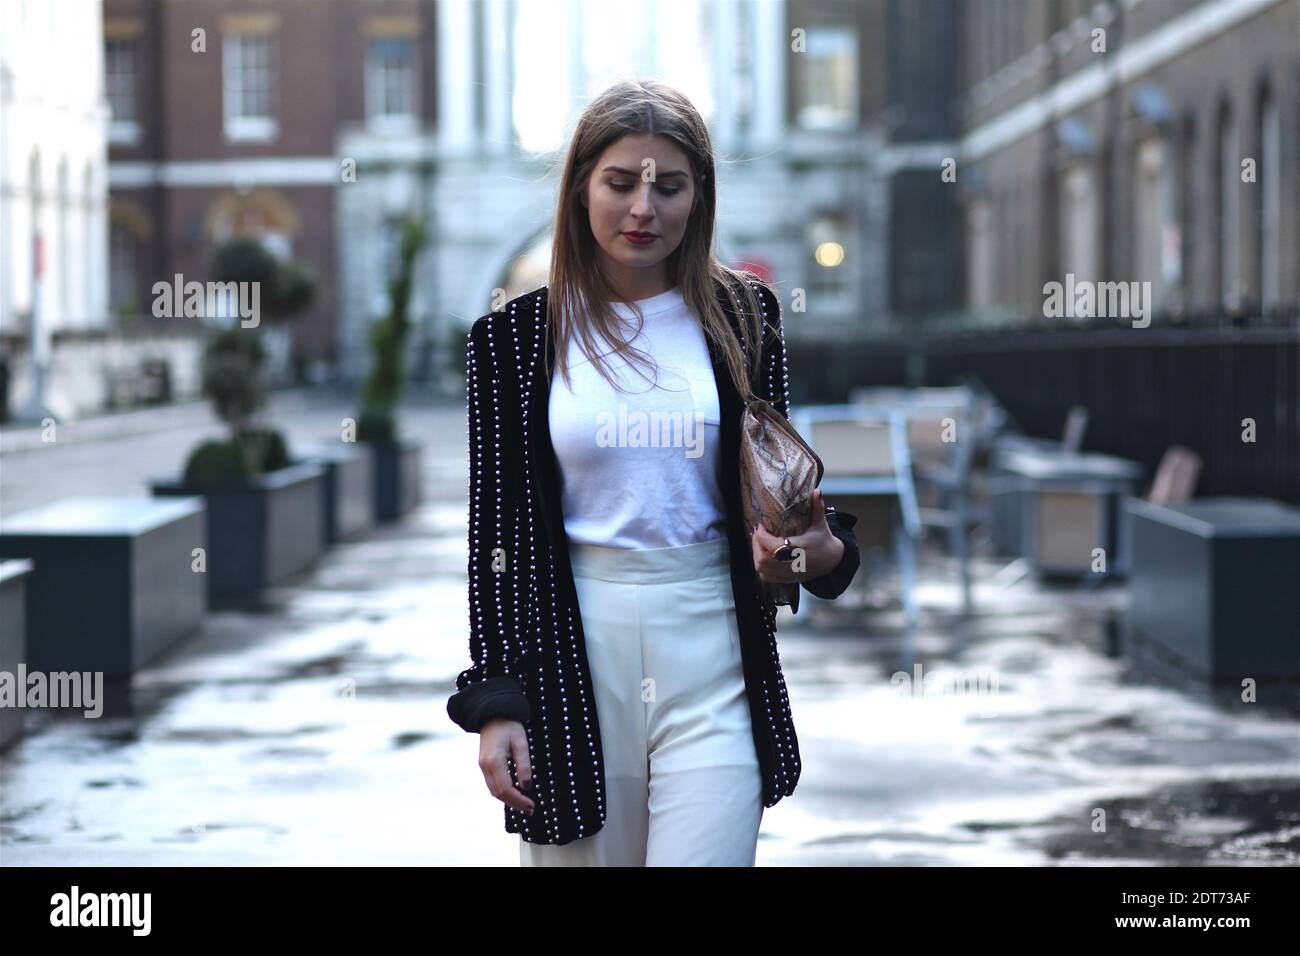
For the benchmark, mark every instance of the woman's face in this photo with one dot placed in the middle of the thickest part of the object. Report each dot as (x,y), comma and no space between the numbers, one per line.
(642,187)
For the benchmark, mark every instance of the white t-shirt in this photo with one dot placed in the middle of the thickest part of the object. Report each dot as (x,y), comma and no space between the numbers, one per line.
(639,467)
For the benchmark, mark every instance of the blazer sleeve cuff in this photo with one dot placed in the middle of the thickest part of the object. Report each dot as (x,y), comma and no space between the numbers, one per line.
(488,700)
(834,582)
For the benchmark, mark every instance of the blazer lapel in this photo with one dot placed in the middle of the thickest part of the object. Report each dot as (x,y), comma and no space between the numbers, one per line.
(545,468)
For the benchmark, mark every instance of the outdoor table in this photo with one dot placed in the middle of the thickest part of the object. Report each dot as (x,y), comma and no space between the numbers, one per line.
(1056,507)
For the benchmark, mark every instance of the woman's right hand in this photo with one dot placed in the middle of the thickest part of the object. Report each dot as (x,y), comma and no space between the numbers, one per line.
(497,740)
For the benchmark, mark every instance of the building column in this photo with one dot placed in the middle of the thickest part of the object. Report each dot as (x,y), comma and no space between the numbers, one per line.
(498,132)
(97,242)
(771,45)
(456,53)
(574,11)
(725,30)
(649,13)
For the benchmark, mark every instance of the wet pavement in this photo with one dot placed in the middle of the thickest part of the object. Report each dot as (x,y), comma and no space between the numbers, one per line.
(311,727)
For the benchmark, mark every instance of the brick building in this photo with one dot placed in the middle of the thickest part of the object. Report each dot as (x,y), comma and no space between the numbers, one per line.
(1107,141)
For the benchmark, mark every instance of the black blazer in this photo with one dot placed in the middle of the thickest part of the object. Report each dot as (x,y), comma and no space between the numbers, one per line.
(526,638)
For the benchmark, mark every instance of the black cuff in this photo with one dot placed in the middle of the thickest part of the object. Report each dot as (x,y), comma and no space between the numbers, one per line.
(834,582)
(487,700)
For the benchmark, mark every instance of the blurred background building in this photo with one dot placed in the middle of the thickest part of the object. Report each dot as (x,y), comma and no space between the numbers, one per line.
(1126,163)
(223,121)
(53,179)
(911,165)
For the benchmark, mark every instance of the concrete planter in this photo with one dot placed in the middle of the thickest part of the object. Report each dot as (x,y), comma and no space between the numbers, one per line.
(14,576)
(397,478)
(260,533)
(1214,587)
(113,583)
(349,490)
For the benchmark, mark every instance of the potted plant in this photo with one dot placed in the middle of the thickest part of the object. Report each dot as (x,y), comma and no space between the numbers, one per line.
(396,460)
(263,508)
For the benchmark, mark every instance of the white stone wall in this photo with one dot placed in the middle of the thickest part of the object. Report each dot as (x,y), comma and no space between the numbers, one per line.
(52,109)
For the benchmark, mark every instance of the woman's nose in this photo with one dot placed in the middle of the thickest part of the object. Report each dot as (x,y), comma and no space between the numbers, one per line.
(643,205)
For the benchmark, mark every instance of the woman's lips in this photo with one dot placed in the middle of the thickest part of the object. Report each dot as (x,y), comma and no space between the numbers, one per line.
(639,239)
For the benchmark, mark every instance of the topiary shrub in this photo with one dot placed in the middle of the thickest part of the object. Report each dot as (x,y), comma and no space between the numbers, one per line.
(218,463)
(266,448)
(382,388)
(233,368)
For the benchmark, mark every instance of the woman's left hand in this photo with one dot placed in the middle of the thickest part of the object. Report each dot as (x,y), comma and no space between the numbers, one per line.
(816,551)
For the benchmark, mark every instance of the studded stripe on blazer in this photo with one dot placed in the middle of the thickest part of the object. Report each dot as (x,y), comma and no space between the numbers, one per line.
(526,638)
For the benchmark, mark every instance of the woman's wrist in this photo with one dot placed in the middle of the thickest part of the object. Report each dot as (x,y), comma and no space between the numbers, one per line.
(836,555)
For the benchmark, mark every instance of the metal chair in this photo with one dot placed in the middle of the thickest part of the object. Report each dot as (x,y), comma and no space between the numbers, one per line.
(865,452)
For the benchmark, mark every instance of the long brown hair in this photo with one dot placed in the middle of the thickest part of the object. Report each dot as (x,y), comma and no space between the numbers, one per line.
(578,297)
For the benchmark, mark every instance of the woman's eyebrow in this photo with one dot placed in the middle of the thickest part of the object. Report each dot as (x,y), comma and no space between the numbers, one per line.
(629,172)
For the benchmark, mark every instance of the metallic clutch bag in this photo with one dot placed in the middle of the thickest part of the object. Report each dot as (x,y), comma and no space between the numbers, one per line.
(778,472)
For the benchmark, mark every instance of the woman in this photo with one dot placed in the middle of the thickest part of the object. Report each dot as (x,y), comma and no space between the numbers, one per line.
(626,686)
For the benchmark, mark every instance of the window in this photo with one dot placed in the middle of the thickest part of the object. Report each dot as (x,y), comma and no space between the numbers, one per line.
(981,251)
(390,247)
(119,87)
(387,249)
(1159,246)
(1269,207)
(1229,182)
(1188,205)
(1079,225)
(62,244)
(829,274)
(122,269)
(828,79)
(89,306)
(248,88)
(391,81)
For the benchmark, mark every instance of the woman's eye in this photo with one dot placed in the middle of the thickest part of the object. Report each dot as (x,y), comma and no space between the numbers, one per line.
(624,187)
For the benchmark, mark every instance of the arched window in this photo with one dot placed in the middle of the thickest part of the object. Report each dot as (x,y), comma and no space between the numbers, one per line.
(1187,209)
(981,253)
(1158,259)
(827,237)
(62,245)
(1079,223)
(123,260)
(89,212)
(128,231)
(263,213)
(1269,203)
(1227,208)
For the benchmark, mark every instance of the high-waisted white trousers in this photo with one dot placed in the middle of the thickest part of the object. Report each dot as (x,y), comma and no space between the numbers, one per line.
(682,780)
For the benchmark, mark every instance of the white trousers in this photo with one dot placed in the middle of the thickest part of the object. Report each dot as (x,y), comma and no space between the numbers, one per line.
(682,780)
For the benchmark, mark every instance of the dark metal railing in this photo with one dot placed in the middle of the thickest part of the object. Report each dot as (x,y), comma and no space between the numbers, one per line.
(1191,381)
